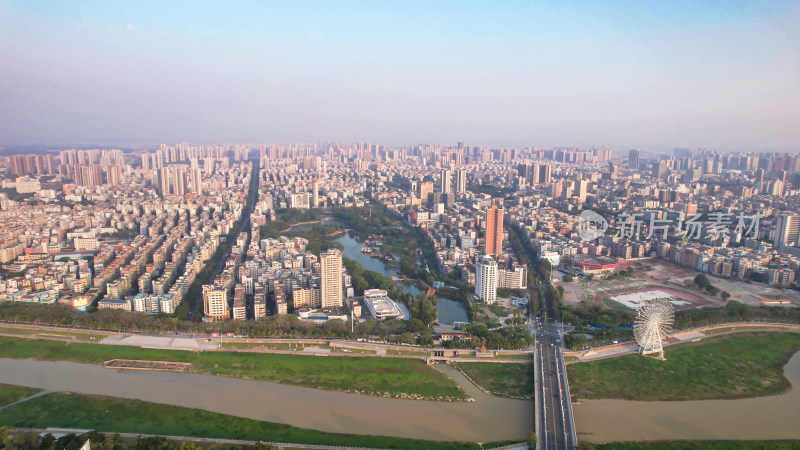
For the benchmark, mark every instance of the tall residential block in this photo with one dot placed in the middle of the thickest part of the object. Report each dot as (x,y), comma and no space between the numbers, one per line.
(494,231)
(446,175)
(461,181)
(633,159)
(787,231)
(315,197)
(331,285)
(486,279)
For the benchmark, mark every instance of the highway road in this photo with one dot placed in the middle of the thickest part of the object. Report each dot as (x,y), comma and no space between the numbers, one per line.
(555,427)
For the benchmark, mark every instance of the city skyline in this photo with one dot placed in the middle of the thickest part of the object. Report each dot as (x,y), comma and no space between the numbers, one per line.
(361,224)
(621,75)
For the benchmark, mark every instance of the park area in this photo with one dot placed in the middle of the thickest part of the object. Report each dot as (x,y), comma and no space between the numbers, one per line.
(740,365)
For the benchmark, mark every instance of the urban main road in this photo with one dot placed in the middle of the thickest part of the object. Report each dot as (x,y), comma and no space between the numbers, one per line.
(555,427)
(244,225)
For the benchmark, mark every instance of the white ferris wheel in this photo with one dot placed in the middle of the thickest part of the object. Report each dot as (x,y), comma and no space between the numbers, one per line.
(653,324)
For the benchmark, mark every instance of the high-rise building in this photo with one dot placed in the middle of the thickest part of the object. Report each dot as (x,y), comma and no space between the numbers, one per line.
(215,302)
(633,159)
(425,189)
(315,195)
(113,175)
(486,279)
(545,173)
(660,169)
(494,231)
(331,285)
(787,231)
(179,181)
(581,187)
(197,181)
(461,181)
(446,175)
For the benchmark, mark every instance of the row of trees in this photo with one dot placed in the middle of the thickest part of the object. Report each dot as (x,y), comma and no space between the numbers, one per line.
(536,274)
(593,316)
(615,325)
(32,440)
(516,338)
(735,311)
(702,282)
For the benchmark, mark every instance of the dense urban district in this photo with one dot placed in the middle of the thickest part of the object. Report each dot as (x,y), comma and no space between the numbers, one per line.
(248,261)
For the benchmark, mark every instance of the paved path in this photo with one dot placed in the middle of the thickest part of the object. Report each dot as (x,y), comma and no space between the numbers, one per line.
(38,394)
(58,432)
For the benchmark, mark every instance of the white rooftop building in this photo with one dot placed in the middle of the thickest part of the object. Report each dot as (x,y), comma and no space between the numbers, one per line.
(380,305)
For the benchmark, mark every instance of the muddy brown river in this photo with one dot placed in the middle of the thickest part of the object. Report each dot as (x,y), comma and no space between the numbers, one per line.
(773,417)
(487,419)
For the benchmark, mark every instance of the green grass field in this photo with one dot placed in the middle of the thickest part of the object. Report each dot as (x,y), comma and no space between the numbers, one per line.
(738,365)
(699,445)
(397,377)
(509,380)
(108,414)
(10,393)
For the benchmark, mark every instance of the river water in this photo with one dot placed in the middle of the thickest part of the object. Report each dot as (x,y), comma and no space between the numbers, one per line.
(449,310)
(487,419)
(773,417)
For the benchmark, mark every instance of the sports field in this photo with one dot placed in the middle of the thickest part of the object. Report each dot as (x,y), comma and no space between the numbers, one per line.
(636,298)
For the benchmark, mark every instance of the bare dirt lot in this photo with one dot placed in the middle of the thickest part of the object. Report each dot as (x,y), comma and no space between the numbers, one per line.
(655,272)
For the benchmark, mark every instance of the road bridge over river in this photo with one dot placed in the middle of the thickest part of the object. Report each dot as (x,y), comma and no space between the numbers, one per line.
(555,426)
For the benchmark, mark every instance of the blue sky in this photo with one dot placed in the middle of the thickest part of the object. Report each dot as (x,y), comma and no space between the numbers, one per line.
(721,75)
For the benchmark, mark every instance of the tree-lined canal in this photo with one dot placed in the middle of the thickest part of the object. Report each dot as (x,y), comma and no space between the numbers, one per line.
(450,311)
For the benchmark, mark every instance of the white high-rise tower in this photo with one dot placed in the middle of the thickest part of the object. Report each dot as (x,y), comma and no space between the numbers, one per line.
(486,279)
(331,286)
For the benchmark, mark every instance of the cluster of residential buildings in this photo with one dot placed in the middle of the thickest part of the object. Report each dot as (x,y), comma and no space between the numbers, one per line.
(133,231)
(121,244)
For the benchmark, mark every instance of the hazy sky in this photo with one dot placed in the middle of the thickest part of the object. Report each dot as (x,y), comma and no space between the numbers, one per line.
(722,75)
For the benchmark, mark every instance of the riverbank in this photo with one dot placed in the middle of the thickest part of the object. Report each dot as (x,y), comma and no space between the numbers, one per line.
(388,377)
(768,417)
(110,415)
(505,380)
(487,419)
(699,445)
(741,365)
(10,393)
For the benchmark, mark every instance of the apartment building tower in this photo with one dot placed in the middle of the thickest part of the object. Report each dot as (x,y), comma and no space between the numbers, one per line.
(494,231)
(486,279)
(331,283)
